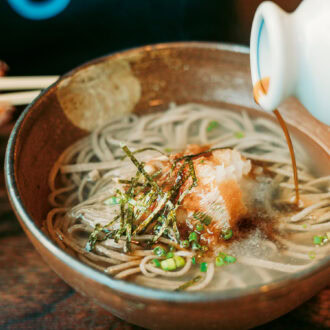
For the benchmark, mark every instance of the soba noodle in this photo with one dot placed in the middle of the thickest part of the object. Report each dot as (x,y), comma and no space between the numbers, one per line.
(89,173)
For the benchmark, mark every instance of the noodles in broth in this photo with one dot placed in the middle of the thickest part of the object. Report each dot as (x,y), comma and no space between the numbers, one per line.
(108,212)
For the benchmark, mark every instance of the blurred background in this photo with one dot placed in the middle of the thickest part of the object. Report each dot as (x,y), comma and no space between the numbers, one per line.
(53,36)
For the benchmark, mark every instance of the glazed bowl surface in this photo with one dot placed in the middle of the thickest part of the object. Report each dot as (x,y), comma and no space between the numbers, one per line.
(143,80)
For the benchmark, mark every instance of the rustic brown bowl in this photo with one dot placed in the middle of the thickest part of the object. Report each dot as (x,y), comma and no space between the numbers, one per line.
(182,72)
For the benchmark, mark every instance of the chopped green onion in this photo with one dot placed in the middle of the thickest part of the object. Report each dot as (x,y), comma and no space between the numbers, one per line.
(221,254)
(199,227)
(195,246)
(156,262)
(184,244)
(219,261)
(223,258)
(311,255)
(179,261)
(304,226)
(193,260)
(239,135)
(193,237)
(212,125)
(317,240)
(229,259)
(112,201)
(227,234)
(159,251)
(168,150)
(188,284)
(169,255)
(202,161)
(168,264)
(320,240)
(203,267)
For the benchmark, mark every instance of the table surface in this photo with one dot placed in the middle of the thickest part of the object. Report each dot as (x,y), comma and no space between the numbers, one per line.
(32,296)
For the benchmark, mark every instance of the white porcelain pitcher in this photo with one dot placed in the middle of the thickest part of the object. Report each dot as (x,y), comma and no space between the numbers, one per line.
(293,51)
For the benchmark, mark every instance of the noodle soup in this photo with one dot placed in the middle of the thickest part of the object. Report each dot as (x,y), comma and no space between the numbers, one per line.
(194,198)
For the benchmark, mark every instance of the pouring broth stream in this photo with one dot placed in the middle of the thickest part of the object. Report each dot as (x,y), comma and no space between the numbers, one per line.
(259,89)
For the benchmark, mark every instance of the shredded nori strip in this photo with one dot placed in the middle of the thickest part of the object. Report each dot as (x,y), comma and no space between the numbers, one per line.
(93,237)
(165,223)
(141,169)
(130,182)
(141,195)
(127,246)
(157,173)
(192,173)
(192,156)
(188,284)
(175,228)
(151,216)
(122,221)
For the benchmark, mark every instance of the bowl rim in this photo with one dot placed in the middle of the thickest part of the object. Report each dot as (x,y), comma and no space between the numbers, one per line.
(123,286)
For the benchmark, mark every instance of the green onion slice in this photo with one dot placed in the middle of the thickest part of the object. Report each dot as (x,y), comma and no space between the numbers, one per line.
(212,125)
(184,244)
(219,261)
(168,264)
(159,251)
(156,262)
(193,237)
(239,135)
(203,267)
(230,259)
(227,234)
(199,227)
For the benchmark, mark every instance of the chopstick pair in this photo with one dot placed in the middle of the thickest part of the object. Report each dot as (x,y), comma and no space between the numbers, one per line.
(33,84)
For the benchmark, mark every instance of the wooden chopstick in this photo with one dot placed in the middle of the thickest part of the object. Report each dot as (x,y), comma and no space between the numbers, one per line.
(19,98)
(33,82)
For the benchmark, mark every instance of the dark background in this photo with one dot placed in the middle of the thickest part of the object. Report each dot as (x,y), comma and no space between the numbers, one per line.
(90,28)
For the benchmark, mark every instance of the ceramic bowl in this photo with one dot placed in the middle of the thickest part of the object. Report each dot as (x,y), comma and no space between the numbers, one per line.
(141,80)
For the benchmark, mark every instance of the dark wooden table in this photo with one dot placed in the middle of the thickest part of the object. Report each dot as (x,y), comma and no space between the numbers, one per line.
(32,296)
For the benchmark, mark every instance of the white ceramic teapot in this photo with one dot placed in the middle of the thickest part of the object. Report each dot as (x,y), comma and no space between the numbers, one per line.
(292,52)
